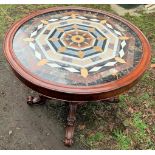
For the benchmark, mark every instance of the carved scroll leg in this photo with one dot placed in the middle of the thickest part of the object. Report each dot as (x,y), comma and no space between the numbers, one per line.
(36,100)
(70,124)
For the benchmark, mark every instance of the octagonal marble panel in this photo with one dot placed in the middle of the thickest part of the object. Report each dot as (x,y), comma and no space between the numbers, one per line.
(77,47)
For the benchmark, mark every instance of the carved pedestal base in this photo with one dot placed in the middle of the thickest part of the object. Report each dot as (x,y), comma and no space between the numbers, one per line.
(70,124)
(36,100)
(71,119)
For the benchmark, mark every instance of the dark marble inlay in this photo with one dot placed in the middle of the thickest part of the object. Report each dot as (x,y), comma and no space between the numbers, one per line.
(77,47)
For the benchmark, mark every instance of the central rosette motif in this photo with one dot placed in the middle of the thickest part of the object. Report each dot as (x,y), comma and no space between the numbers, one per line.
(78,39)
(78,44)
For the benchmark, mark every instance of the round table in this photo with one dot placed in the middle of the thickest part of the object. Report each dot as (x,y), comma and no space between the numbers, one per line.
(76,54)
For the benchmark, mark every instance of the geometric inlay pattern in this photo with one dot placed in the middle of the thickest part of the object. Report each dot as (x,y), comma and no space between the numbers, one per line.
(77,48)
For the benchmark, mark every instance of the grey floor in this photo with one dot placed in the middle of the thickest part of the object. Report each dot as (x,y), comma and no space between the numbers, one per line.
(24,127)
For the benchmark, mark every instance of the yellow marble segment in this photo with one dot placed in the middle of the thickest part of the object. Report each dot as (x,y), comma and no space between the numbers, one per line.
(123,38)
(54,55)
(71,43)
(84,34)
(107,55)
(50,26)
(42,62)
(73,21)
(60,30)
(42,39)
(84,72)
(113,71)
(103,21)
(81,54)
(62,49)
(44,22)
(82,62)
(91,29)
(112,40)
(103,56)
(120,60)
(74,15)
(28,39)
(69,13)
(53,39)
(50,53)
(101,38)
(98,49)
(109,35)
(75,26)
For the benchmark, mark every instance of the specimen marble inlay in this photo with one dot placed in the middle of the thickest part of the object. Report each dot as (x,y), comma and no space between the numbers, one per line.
(79,48)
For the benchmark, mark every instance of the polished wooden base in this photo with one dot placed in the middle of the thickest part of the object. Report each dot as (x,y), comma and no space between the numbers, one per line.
(71,119)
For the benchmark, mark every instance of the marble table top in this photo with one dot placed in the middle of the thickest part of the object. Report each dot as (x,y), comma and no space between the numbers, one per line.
(77,47)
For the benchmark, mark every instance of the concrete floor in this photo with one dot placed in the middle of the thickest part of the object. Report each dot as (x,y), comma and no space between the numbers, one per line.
(24,127)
